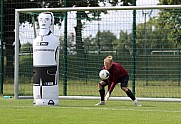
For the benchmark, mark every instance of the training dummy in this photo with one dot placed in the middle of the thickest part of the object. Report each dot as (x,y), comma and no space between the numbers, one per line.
(45,62)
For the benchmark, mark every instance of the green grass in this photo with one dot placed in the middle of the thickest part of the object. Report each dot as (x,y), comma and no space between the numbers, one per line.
(84,112)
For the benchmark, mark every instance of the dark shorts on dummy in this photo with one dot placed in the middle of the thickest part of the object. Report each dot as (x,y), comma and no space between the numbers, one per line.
(47,75)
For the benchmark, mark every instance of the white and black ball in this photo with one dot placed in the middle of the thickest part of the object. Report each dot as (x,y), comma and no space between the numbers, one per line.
(104,74)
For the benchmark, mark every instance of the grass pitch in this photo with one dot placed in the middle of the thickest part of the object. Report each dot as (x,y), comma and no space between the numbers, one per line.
(84,112)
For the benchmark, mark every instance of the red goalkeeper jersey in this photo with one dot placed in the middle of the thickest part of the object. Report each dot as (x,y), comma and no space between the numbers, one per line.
(116,71)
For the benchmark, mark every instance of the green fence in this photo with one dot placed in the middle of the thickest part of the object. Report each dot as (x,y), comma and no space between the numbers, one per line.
(89,40)
(1,49)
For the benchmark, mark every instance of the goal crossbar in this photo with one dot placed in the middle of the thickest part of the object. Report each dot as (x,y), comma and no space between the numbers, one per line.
(99,8)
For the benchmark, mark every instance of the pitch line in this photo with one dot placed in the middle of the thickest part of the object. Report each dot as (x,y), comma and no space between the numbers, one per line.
(101,108)
(131,109)
(124,109)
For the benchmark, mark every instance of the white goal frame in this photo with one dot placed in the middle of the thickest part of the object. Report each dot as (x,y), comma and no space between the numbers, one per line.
(16,65)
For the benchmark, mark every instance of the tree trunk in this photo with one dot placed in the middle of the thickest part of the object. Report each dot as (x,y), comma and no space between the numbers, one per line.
(81,68)
(78,32)
(9,56)
(9,35)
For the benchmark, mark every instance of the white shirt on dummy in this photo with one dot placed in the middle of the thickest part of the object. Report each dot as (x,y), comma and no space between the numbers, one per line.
(45,50)
(46,45)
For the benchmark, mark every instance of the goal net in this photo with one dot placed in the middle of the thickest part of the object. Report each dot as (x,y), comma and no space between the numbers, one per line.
(131,34)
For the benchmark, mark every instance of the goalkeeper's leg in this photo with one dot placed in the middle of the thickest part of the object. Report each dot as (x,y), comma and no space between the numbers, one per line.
(101,88)
(124,83)
(130,94)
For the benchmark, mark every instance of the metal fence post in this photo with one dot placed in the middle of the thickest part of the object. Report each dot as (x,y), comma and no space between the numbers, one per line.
(65,55)
(134,48)
(1,49)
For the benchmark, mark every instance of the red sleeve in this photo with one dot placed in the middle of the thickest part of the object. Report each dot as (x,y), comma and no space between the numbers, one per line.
(112,87)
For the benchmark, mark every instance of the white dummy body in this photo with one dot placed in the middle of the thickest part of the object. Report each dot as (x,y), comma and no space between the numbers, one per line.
(45,62)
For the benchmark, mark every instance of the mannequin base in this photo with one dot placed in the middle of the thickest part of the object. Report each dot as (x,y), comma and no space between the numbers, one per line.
(45,102)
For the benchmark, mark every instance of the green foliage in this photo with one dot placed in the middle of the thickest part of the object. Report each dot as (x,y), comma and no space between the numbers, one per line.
(123,43)
(169,2)
(170,20)
(26,48)
(121,2)
(90,43)
(103,41)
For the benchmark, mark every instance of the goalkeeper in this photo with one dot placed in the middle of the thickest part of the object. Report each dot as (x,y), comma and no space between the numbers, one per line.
(118,74)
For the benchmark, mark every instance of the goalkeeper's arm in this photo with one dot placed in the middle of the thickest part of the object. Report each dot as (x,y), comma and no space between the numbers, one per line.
(111,88)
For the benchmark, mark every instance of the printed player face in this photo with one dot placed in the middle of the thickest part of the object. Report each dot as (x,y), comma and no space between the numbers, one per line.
(44,20)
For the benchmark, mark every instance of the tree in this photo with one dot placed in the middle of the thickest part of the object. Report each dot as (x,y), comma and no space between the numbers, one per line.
(147,43)
(90,43)
(155,39)
(105,40)
(87,16)
(82,15)
(123,43)
(170,20)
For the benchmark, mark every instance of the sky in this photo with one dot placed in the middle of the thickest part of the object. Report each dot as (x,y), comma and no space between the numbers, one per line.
(114,21)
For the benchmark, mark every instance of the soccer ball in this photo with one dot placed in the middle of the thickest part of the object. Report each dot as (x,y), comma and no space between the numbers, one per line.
(104,74)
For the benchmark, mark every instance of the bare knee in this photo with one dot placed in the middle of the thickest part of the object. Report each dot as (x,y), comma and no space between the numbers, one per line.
(100,85)
(124,89)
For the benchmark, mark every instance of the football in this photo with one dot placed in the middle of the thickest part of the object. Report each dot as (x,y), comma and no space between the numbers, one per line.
(104,74)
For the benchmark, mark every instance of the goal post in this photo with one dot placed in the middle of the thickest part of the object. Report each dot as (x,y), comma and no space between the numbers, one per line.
(148,75)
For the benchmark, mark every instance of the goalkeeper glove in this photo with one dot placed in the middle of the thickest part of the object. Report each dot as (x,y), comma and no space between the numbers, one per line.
(107,96)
